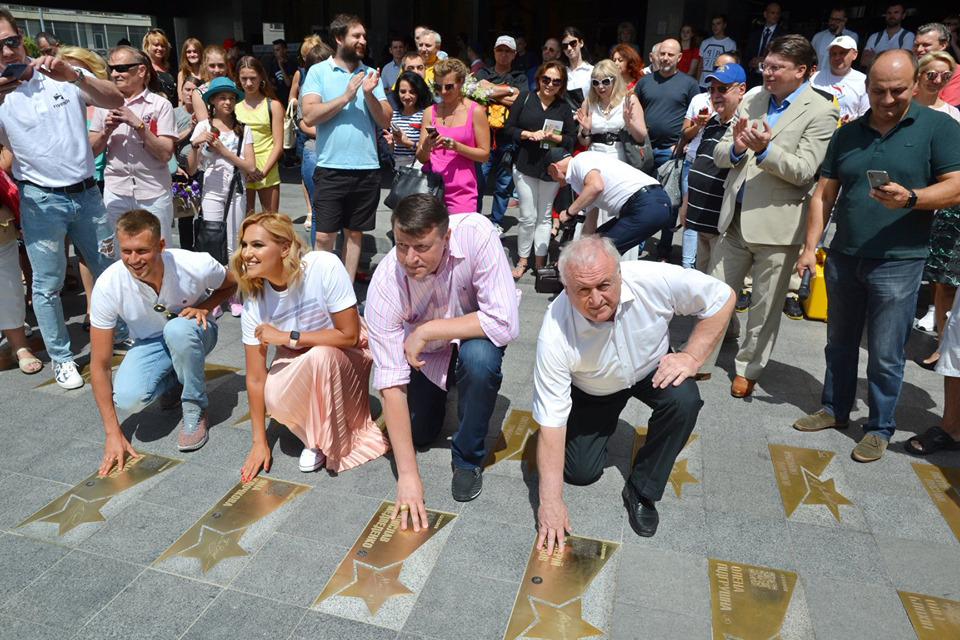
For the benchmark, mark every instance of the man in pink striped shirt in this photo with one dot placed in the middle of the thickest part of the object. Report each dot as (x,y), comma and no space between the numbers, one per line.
(441,304)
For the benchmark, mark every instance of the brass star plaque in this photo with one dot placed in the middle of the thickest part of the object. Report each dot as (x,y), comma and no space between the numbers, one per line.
(82,503)
(932,618)
(748,601)
(943,485)
(217,534)
(679,476)
(549,604)
(799,472)
(517,441)
(371,569)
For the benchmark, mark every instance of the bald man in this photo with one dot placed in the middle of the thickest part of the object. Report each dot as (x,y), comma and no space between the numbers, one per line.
(877,255)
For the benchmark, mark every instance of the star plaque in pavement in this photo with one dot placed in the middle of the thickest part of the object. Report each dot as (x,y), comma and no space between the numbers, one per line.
(215,546)
(78,511)
(560,622)
(680,476)
(375,585)
(824,492)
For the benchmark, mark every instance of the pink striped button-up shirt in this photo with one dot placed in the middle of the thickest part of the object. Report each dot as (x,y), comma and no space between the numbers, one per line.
(473,275)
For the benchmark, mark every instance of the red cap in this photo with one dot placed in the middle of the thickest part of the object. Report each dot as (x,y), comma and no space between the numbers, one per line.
(229,42)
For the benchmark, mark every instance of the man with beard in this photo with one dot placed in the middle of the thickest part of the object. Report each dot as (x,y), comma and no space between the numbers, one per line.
(346,102)
(893,37)
(836,27)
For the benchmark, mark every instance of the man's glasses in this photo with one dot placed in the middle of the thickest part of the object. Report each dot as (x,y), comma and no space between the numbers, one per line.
(570,44)
(12,42)
(546,48)
(169,315)
(601,82)
(720,90)
(123,68)
(546,81)
(443,87)
(942,75)
(773,68)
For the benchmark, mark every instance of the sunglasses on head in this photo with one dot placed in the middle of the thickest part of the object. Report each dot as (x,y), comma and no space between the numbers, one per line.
(443,87)
(547,81)
(12,42)
(604,82)
(569,44)
(169,315)
(123,68)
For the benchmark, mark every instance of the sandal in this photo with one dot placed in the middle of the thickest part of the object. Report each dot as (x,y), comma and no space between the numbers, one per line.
(520,269)
(29,365)
(935,439)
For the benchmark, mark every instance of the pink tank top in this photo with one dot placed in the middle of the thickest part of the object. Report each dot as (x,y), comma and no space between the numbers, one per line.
(458,172)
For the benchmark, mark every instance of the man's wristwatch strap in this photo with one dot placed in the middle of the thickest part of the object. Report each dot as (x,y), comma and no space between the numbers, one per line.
(911,200)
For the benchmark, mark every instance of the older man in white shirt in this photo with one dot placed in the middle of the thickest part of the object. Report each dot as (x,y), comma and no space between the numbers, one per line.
(604,340)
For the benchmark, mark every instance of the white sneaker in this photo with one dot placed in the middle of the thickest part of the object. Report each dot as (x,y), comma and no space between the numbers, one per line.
(311,460)
(928,322)
(500,230)
(67,375)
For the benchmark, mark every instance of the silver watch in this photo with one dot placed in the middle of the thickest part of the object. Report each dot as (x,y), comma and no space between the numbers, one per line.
(79,80)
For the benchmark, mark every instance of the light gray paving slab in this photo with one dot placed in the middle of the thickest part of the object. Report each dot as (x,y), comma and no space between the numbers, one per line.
(236,615)
(490,549)
(22,496)
(631,622)
(72,591)
(664,581)
(912,519)
(22,560)
(15,629)
(321,625)
(843,610)
(155,606)
(140,533)
(833,553)
(738,537)
(921,566)
(330,517)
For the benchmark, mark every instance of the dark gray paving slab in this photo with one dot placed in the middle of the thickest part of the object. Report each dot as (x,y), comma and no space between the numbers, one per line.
(72,591)
(22,560)
(506,500)
(921,567)
(155,606)
(735,492)
(140,533)
(663,581)
(489,549)
(236,615)
(844,610)
(290,569)
(845,555)
(321,625)
(332,518)
(749,539)
(22,496)
(14,629)
(191,488)
(631,622)
(682,529)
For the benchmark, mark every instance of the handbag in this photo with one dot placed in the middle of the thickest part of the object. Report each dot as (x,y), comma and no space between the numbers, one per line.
(211,235)
(669,176)
(289,127)
(547,278)
(8,225)
(408,181)
(639,154)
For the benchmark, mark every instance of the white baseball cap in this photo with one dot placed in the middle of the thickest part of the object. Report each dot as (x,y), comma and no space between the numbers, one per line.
(844,42)
(506,41)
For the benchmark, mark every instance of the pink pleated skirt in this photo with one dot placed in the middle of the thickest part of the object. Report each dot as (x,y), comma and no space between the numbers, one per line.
(320,394)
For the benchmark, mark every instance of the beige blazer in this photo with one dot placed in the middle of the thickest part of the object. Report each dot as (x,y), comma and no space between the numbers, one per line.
(779,188)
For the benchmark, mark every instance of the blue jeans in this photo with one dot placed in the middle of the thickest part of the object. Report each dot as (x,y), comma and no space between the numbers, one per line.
(47,220)
(689,242)
(154,366)
(665,245)
(476,369)
(502,188)
(881,295)
(308,162)
(639,218)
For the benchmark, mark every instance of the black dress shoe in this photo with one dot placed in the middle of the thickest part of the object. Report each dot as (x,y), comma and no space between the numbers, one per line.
(643,519)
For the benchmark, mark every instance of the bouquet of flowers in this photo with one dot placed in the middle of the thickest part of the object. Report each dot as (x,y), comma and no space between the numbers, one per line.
(477,90)
(186,199)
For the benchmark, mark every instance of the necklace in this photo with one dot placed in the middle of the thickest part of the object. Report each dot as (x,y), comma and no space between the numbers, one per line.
(606,112)
(443,118)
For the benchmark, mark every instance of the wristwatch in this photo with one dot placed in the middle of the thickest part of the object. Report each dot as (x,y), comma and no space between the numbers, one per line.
(294,339)
(912,200)
(140,127)
(79,80)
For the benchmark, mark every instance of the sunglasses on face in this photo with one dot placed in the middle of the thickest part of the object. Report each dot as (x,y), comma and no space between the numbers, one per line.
(942,75)
(12,42)
(720,90)
(169,315)
(547,81)
(443,87)
(122,68)
(569,44)
(601,82)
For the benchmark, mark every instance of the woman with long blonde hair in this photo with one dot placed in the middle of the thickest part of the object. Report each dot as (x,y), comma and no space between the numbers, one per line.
(191,59)
(317,384)
(157,49)
(607,110)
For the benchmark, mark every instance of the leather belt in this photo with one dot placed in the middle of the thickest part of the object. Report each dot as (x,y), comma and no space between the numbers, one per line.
(73,188)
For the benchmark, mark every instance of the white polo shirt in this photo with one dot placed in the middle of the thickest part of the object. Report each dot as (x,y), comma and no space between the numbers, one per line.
(620,180)
(44,123)
(188,278)
(882,41)
(604,358)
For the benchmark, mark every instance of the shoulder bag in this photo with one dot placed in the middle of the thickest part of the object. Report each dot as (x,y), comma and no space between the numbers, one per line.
(211,235)
(290,127)
(669,176)
(408,181)
(639,154)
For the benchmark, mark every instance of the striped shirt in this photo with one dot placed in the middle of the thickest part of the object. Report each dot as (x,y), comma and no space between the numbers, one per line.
(473,276)
(404,123)
(705,181)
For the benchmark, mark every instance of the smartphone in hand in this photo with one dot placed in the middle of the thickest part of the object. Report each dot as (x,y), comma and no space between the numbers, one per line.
(14,70)
(878,179)
(431,130)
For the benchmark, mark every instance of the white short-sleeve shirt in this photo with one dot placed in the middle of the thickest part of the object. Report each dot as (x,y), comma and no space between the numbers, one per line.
(188,278)
(604,358)
(323,290)
(849,90)
(217,170)
(620,180)
(44,123)
(699,101)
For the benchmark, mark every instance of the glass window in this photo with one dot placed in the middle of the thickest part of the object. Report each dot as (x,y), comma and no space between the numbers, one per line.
(114,34)
(66,32)
(136,35)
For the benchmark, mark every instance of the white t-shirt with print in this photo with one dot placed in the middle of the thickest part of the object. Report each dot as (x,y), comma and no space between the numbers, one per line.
(188,278)
(710,49)
(849,90)
(324,289)
(217,171)
(699,101)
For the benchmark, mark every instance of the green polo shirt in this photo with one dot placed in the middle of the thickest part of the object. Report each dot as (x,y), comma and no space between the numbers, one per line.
(924,144)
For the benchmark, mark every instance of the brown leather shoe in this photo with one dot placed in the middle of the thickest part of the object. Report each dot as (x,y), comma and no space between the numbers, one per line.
(742,387)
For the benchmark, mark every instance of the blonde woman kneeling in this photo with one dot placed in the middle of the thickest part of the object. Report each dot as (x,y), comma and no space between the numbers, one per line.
(318,380)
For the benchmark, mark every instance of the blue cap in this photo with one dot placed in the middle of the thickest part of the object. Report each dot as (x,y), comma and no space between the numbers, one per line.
(218,85)
(728,74)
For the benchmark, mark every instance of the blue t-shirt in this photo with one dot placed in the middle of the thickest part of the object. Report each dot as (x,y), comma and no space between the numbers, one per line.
(348,139)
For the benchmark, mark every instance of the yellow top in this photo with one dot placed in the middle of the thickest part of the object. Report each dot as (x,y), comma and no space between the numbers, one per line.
(258,120)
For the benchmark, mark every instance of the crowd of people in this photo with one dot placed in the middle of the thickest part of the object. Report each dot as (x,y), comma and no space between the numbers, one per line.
(750,150)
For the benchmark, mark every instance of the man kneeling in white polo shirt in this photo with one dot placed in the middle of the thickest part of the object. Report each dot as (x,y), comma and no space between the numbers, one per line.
(164,296)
